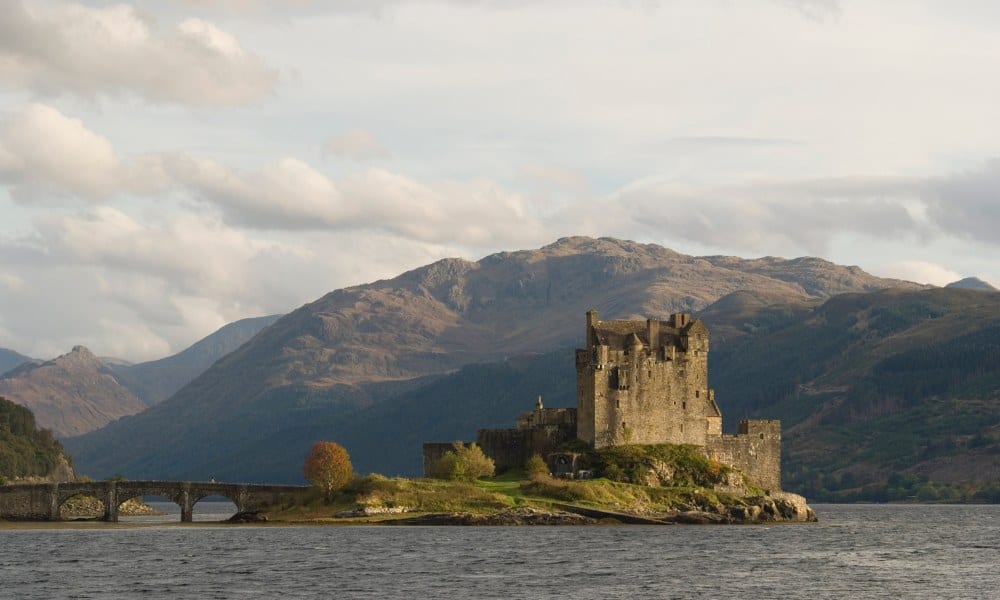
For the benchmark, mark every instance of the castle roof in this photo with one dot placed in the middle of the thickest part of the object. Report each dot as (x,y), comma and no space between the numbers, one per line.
(624,334)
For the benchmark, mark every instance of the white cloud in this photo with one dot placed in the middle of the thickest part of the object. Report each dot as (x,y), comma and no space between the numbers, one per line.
(355,144)
(140,289)
(291,194)
(42,147)
(922,272)
(55,48)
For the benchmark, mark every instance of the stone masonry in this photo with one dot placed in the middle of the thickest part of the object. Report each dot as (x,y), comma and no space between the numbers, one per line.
(640,382)
(43,501)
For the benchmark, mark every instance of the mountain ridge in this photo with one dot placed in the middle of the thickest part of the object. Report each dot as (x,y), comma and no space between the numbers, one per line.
(322,359)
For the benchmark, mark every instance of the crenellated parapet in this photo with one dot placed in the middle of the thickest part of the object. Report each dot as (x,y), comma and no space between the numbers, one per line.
(646,382)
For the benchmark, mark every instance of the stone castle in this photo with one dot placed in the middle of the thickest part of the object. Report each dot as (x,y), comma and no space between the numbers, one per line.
(637,382)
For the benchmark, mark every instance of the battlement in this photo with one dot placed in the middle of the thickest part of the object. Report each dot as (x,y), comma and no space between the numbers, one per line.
(639,382)
(646,382)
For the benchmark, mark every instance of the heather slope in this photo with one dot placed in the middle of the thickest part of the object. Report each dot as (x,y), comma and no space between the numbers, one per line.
(337,355)
(71,394)
(157,380)
(898,386)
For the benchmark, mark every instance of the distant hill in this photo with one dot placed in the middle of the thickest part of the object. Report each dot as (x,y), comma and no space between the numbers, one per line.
(10,359)
(881,395)
(363,346)
(72,394)
(157,380)
(27,451)
(884,396)
(78,392)
(972,283)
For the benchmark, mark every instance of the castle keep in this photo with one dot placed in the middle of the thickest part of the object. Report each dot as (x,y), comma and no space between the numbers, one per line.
(639,382)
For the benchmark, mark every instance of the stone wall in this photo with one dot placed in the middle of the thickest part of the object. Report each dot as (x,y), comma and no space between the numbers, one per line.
(645,383)
(511,448)
(755,450)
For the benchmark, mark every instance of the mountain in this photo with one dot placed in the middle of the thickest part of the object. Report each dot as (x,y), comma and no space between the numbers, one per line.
(363,346)
(72,394)
(884,396)
(10,359)
(972,283)
(157,380)
(892,395)
(79,392)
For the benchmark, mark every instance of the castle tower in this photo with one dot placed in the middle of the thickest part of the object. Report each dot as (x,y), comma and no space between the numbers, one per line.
(645,382)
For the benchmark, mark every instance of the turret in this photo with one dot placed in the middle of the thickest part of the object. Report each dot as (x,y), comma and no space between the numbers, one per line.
(591,323)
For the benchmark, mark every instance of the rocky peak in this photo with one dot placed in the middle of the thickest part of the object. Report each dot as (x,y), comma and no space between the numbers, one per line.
(971,283)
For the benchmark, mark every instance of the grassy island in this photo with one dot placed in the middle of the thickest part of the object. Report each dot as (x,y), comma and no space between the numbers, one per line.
(631,484)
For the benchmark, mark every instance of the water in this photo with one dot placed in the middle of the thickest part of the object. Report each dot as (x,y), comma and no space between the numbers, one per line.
(854,552)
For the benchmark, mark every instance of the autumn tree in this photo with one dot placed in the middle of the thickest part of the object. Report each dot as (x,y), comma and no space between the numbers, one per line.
(328,467)
(466,463)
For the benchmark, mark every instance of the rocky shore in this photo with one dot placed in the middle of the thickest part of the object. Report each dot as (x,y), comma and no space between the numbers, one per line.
(782,507)
(510,516)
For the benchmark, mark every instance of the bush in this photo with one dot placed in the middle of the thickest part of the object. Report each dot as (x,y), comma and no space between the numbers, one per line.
(632,463)
(536,467)
(464,463)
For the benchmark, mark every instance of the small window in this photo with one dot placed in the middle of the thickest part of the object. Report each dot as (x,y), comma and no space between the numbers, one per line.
(762,436)
(618,402)
(697,393)
(684,405)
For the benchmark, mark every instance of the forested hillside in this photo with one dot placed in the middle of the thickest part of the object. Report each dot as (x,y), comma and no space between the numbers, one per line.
(25,450)
(885,396)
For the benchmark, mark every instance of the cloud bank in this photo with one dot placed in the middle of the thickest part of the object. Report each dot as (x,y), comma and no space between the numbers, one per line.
(71,48)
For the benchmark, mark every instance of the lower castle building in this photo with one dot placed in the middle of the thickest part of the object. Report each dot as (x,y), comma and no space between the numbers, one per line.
(638,382)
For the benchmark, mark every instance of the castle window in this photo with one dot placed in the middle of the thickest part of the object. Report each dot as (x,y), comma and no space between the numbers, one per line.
(697,393)
(618,402)
(762,436)
(684,405)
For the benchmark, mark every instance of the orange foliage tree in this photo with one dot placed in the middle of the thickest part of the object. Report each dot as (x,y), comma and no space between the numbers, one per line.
(328,467)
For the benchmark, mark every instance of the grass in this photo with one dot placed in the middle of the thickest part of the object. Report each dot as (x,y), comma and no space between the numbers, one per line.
(623,487)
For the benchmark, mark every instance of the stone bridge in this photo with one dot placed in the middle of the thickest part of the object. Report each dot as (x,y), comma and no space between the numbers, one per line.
(41,502)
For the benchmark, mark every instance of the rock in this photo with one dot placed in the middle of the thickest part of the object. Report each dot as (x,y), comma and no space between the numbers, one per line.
(369,511)
(247,517)
(659,474)
(776,508)
(697,517)
(793,507)
(510,516)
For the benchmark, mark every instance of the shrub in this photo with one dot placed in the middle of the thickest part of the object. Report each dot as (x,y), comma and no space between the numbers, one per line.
(536,467)
(465,463)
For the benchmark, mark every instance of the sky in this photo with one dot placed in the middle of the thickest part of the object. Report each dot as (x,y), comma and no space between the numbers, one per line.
(169,167)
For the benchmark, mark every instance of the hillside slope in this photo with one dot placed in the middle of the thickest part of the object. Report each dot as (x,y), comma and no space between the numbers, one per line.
(337,355)
(27,451)
(72,394)
(10,359)
(157,380)
(894,385)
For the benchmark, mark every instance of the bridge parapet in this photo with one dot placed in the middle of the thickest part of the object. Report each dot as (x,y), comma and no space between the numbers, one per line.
(42,501)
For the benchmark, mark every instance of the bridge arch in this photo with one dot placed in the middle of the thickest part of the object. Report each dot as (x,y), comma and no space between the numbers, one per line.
(43,501)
